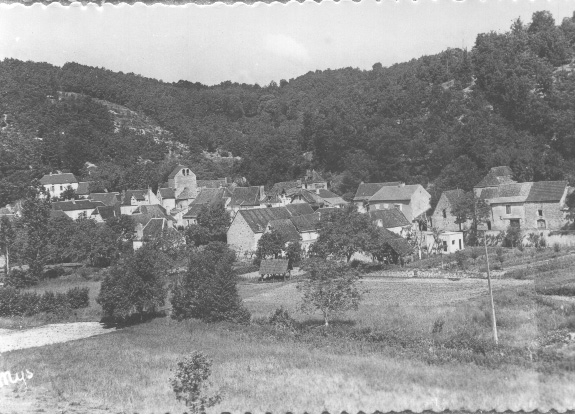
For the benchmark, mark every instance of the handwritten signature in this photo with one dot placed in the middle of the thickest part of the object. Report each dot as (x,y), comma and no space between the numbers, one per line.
(6,377)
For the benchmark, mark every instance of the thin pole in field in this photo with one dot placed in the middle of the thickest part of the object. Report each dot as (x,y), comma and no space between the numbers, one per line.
(493,321)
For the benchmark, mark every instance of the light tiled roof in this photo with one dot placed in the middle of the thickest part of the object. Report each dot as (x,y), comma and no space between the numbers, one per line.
(83,188)
(259,218)
(307,222)
(497,176)
(453,195)
(211,183)
(245,196)
(186,194)
(284,186)
(167,193)
(511,193)
(62,178)
(323,193)
(74,205)
(108,199)
(366,190)
(211,195)
(395,193)
(139,195)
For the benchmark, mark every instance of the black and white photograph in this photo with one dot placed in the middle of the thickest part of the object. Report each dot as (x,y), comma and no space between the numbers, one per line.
(306,208)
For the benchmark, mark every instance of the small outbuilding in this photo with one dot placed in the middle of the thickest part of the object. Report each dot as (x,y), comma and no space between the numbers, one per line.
(274,268)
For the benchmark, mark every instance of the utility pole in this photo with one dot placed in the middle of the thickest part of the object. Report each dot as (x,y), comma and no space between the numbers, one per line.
(493,321)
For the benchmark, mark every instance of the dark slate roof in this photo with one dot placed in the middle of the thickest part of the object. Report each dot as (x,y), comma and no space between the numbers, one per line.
(107,212)
(273,266)
(211,195)
(193,211)
(83,188)
(395,193)
(137,194)
(314,177)
(453,195)
(176,170)
(154,228)
(167,193)
(366,190)
(390,218)
(488,193)
(496,176)
(154,210)
(546,191)
(307,222)
(284,186)
(308,196)
(286,228)
(211,183)
(401,246)
(62,178)
(108,199)
(299,209)
(73,205)
(325,210)
(259,218)
(186,194)
(58,214)
(245,196)
(323,193)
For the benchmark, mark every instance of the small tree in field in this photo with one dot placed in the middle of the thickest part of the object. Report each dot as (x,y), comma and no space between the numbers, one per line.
(270,245)
(191,383)
(330,288)
(7,237)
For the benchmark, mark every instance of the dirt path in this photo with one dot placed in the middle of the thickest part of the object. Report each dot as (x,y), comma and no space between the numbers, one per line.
(11,339)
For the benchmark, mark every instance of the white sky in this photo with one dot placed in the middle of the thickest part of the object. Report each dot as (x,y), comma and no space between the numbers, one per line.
(211,44)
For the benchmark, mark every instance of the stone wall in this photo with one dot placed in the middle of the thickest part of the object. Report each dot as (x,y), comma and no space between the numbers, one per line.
(240,235)
(448,223)
(552,215)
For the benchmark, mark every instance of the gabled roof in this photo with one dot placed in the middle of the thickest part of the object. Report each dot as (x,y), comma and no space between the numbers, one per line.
(550,191)
(259,218)
(453,195)
(154,210)
(323,193)
(284,186)
(186,194)
(245,196)
(273,266)
(390,218)
(166,193)
(193,211)
(107,212)
(83,188)
(211,195)
(62,178)
(139,195)
(511,193)
(395,193)
(286,228)
(310,197)
(313,177)
(74,205)
(299,209)
(154,228)
(307,222)
(401,246)
(58,214)
(497,176)
(211,183)
(108,199)
(366,190)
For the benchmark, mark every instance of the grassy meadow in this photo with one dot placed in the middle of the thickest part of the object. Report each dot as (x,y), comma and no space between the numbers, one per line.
(413,344)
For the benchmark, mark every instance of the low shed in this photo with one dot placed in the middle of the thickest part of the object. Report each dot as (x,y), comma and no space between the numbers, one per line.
(270,268)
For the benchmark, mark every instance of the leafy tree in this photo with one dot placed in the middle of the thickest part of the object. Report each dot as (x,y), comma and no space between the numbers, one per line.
(216,220)
(35,215)
(330,288)
(293,254)
(191,383)
(271,244)
(123,228)
(135,287)
(7,237)
(469,207)
(68,194)
(208,290)
(343,233)
(197,235)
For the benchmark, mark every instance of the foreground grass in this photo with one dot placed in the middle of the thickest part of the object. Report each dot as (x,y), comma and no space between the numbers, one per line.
(129,371)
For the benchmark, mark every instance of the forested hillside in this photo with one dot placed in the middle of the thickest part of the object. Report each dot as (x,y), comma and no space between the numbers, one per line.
(440,120)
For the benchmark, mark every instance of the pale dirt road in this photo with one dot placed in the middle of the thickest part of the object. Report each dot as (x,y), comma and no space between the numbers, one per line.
(12,339)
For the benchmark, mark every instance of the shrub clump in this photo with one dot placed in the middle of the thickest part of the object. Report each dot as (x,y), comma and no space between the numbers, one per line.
(14,302)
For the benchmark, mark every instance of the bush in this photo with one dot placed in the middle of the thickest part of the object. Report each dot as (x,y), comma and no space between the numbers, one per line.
(280,319)
(556,247)
(20,279)
(461,259)
(14,302)
(191,383)
(54,272)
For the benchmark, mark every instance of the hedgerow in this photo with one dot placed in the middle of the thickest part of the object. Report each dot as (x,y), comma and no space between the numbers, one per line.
(14,302)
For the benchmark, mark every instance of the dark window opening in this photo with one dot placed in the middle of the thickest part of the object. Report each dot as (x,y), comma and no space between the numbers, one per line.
(444,213)
(514,223)
(507,209)
(488,225)
(444,246)
(541,224)
(540,213)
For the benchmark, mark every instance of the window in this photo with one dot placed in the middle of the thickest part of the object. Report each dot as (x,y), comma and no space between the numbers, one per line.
(507,209)
(541,224)
(385,205)
(397,206)
(459,244)
(488,225)
(514,223)
(444,246)
(444,212)
(452,241)
(52,189)
(540,213)
(377,206)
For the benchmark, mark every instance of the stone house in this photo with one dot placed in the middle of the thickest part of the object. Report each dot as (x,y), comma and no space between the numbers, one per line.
(57,183)
(180,190)
(449,242)
(280,193)
(248,226)
(83,190)
(109,199)
(366,190)
(495,177)
(442,218)
(103,213)
(313,181)
(131,199)
(307,227)
(531,206)
(206,197)
(154,228)
(76,209)
(246,198)
(391,219)
(167,198)
(411,200)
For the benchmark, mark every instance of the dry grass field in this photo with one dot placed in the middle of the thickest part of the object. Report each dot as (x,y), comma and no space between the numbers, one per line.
(258,369)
